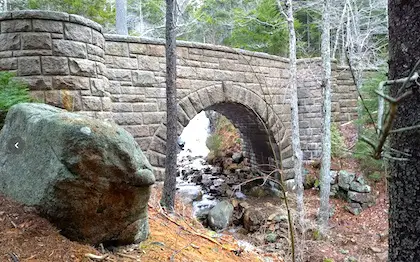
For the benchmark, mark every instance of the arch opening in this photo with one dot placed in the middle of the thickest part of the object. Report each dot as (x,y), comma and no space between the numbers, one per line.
(258,140)
(264,132)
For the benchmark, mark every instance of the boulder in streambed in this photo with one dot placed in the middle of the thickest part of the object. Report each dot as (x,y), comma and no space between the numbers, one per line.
(88,177)
(220,215)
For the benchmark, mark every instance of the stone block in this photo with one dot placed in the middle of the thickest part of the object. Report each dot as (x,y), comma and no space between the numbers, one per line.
(114,87)
(182,117)
(216,94)
(98,39)
(138,131)
(29,66)
(156,50)
(122,107)
(18,25)
(119,74)
(101,69)
(153,117)
(96,58)
(38,96)
(57,36)
(82,67)
(159,146)
(41,14)
(137,48)
(84,21)
(52,65)
(107,104)
(37,82)
(188,108)
(77,32)
(155,92)
(128,98)
(95,50)
(143,78)
(36,41)
(196,102)
(9,42)
(69,100)
(127,119)
(71,83)
(98,86)
(6,54)
(7,64)
(361,198)
(145,107)
(53,97)
(47,26)
(32,53)
(148,63)
(144,142)
(204,97)
(205,73)
(116,48)
(124,62)
(92,103)
(69,48)
(132,90)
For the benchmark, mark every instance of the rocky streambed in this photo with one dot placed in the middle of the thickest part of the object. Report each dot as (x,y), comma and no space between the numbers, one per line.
(223,199)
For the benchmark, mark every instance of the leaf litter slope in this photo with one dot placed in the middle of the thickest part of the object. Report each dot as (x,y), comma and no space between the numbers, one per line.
(29,237)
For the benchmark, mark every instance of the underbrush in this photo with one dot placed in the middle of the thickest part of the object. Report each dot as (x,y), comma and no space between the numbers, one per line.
(12,92)
(372,168)
(224,141)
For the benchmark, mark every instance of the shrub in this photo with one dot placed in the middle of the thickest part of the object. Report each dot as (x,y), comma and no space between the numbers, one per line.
(337,142)
(375,176)
(368,164)
(214,143)
(362,150)
(11,92)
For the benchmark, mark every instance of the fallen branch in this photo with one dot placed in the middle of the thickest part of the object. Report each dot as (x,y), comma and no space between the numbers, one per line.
(127,256)
(96,257)
(178,251)
(197,233)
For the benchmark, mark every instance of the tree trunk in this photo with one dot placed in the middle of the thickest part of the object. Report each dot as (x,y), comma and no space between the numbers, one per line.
(404,181)
(121,17)
(297,152)
(324,208)
(168,195)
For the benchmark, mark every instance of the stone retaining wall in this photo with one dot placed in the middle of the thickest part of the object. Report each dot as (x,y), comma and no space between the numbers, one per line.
(60,57)
(343,106)
(68,62)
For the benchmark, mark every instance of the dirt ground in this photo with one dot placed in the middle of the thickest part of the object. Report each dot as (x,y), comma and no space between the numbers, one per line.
(24,236)
(364,237)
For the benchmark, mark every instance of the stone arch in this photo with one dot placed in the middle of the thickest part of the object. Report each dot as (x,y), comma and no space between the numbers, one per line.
(261,128)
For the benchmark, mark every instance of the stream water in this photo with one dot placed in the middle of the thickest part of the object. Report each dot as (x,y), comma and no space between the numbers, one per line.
(191,160)
(203,185)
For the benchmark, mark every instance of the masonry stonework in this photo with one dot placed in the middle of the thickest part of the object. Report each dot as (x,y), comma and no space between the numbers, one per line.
(68,62)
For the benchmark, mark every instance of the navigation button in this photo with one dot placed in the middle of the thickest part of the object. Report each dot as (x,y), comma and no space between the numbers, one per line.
(16,145)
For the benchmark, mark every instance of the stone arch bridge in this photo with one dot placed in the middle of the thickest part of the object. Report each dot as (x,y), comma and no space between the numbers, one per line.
(69,62)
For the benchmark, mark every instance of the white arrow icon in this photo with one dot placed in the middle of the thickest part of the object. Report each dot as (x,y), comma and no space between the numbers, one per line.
(16,145)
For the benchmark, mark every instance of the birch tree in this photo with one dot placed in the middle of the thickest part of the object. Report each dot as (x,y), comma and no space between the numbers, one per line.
(121,17)
(297,151)
(404,180)
(169,188)
(325,178)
